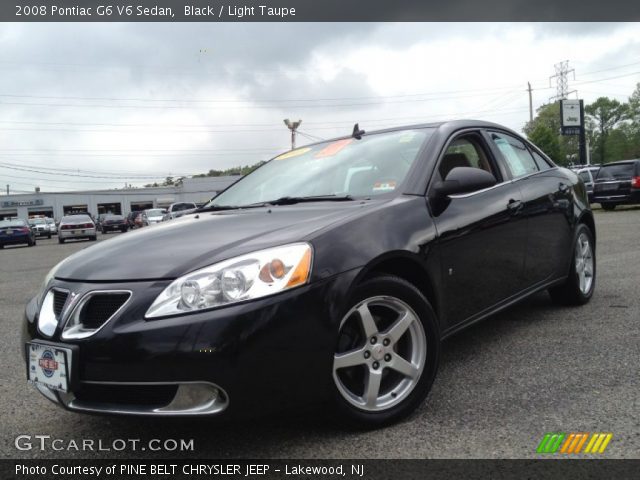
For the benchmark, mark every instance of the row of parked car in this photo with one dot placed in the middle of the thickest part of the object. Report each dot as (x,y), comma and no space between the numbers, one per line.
(612,184)
(16,231)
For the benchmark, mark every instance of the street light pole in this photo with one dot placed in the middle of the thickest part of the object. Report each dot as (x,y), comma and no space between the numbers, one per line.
(293,126)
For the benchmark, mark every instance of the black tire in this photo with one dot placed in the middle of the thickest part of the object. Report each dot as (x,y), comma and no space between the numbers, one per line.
(60,240)
(608,206)
(93,239)
(569,292)
(400,289)
(49,236)
(1,247)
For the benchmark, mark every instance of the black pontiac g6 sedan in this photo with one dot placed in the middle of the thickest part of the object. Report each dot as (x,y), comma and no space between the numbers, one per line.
(332,273)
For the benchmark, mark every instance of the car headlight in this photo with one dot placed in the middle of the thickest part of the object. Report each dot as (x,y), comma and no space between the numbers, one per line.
(247,277)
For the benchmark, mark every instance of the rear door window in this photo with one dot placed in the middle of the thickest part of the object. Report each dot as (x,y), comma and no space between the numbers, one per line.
(542,162)
(516,155)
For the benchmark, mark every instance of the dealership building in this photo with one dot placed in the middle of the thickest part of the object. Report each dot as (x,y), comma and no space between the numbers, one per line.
(120,201)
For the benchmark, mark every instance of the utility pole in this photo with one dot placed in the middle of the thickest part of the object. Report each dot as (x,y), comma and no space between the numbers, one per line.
(530,103)
(7,189)
(562,83)
(293,126)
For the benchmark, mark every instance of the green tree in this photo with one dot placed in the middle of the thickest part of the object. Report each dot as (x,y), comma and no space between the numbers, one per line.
(546,125)
(544,138)
(607,114)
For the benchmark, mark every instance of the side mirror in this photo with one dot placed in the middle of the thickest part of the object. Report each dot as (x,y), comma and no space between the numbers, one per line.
(464,180)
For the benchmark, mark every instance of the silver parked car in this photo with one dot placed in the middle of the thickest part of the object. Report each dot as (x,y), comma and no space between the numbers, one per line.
(588,174)
(76,226)
(53,228)
(153,215)
(178,209)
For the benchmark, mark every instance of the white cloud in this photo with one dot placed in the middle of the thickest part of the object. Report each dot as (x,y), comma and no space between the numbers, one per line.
(258,74)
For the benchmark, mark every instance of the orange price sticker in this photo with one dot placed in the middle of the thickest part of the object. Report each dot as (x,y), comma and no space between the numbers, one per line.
(333,148)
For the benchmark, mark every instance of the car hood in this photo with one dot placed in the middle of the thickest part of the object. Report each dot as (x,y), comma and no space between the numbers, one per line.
(169,249)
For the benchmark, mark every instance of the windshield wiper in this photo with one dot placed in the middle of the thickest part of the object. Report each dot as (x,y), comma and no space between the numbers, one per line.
(218,208)
(279,201)
(316,198)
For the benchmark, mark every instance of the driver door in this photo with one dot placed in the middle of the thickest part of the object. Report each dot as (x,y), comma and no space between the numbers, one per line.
(481,236)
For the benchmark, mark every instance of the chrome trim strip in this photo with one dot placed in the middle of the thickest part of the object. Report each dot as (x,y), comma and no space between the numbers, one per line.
(513,180)
(47,321)
(216,402)
(77,332)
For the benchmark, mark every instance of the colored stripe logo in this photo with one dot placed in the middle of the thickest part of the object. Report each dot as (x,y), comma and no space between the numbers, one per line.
(569,443)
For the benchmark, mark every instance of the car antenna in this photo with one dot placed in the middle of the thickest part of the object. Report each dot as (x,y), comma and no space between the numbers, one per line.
(357,133)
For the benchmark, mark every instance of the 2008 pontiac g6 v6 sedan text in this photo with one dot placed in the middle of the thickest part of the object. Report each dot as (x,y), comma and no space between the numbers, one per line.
(331,273)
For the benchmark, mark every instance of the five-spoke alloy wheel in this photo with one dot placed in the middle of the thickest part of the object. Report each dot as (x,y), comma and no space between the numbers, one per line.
(386,355)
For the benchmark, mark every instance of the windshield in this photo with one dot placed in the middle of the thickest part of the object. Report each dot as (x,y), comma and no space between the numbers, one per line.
(374,165)
(156,212)
(12,223)
(619,171)
(37,221)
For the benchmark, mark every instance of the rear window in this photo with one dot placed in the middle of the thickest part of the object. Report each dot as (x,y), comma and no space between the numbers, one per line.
(619,171)
(12,223)
(77,219)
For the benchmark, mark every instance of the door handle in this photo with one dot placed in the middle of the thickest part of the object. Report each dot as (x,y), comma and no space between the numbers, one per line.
(514,205)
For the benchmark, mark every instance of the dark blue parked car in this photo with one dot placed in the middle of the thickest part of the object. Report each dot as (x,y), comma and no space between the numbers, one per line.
(13,232)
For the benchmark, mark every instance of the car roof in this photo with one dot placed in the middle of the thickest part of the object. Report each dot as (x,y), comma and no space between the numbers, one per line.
(449,125)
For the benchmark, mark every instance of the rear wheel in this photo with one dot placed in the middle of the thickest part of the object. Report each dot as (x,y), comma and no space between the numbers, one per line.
(93,239)
(608,206)
(580,284)
(387,353)
(60,240)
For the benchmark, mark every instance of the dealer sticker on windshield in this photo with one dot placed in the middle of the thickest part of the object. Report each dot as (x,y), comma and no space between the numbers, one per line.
(293,153)
(49,366)
(384,186)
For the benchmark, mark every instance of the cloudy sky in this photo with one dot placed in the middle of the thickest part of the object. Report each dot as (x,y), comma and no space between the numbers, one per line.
(86,106)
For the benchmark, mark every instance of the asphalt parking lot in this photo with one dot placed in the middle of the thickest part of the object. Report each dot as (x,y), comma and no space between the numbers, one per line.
(502,384)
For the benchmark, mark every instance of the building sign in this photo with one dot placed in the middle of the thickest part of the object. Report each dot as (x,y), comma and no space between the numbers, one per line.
(23,203)
(571,117)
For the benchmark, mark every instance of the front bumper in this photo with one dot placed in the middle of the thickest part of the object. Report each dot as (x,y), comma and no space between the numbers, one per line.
(270,354)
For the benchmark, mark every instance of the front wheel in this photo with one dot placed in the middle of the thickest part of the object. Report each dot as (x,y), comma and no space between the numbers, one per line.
(387,353)
(580,284)
(60,240)
(608,206)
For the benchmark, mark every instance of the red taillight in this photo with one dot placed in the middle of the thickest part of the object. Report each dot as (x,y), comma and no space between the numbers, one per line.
(87,225)
(65,227)
(635,182)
